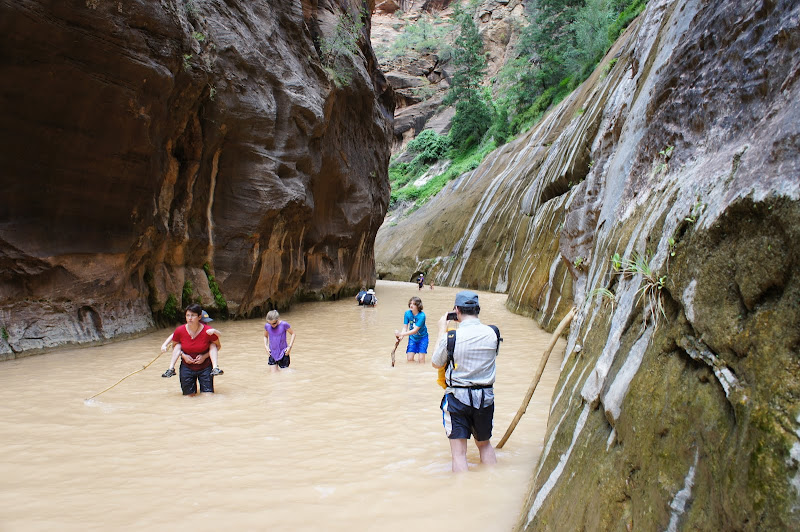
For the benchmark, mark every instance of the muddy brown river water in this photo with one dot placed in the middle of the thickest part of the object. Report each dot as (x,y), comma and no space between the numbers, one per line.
(339,441)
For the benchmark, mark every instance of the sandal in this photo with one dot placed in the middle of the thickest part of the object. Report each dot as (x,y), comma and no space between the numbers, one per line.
(169,373)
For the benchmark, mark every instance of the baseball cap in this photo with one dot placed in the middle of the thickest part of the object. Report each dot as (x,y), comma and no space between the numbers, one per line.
(205,318)
(466,299)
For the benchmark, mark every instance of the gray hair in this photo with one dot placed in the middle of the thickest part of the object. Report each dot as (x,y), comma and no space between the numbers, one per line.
(273,315)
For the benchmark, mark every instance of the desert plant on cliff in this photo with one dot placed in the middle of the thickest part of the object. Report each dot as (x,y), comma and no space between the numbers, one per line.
(342,42)
(661,164)
(219,299)
(606,295)
(190,8)
(5,334)
(187,293)
(697,210)
(171,311)
(616,262)
(650,290)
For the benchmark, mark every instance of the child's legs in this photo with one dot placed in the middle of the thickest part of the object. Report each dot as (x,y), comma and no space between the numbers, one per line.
(422,349)
(176,353)
(213,353)
(415,347)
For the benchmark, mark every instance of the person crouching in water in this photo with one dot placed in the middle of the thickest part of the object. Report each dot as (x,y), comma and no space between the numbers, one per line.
(468,404)
(361,294)
(195,344)
(275,333)
(414,327)
(369,299)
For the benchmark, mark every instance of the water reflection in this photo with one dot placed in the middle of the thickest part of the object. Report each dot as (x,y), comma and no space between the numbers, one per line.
(338,441)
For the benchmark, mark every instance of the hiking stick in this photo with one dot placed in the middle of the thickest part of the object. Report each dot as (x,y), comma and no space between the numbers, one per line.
(395,349)
(524,406)
(126,376)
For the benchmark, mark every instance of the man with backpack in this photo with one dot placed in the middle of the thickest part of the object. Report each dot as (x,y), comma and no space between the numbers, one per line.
(369,299)
(469,361)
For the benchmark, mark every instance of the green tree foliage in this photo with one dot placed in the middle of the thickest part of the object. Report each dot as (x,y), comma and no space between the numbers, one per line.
(429,146)
(425,36)
(628,10)
(558,49)
(469,58)
(591,30)
(473,116)
(470,122)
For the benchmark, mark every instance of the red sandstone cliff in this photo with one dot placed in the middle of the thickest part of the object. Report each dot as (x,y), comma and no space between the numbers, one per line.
(143,140)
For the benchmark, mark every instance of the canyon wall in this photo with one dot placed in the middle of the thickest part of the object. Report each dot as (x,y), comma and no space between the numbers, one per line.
(662,199)
(161,152)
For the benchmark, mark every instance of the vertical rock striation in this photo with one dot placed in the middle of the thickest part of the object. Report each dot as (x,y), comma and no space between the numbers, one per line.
(159,152)
(662,198)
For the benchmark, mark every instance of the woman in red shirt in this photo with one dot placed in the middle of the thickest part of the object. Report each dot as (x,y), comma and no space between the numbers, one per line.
(195,360)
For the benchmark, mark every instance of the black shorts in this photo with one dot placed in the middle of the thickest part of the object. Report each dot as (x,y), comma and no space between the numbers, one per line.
(282,363)
(190,378)
(460,420)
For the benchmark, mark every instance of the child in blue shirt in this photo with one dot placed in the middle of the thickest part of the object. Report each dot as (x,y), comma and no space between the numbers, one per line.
(414,327)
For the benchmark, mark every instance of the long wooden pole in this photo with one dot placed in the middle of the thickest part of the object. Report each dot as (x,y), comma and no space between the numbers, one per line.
(125,377)
(561,326)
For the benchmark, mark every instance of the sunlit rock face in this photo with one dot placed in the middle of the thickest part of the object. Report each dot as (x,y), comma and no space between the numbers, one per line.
(662,199)
(143,141)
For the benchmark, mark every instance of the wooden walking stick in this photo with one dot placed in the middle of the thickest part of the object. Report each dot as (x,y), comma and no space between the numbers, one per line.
(395,349)
(125,377)
(561,326)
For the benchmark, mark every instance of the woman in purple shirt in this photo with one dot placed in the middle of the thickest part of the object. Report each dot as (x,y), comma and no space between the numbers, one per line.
(276,332)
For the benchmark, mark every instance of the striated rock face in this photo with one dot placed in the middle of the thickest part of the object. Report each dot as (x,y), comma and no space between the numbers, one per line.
(662,199)
(156,150)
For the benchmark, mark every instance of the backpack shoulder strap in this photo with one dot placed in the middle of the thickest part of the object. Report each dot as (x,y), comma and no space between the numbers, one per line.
(451,347)
(499,338)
